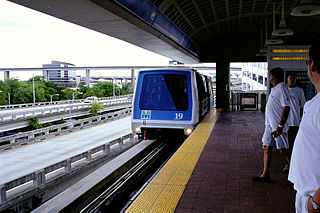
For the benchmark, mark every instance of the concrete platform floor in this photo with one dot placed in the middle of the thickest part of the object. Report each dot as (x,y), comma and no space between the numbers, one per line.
(221,180)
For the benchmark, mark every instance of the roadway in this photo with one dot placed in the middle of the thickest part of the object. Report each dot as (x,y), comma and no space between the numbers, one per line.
(22,161)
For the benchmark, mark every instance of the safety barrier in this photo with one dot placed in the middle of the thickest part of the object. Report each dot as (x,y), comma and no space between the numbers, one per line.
(66,127)
(40,104)
(247,100)
(12,116)
(39,179)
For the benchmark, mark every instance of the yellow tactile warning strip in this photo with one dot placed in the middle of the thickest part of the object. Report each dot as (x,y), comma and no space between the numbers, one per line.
(165,190)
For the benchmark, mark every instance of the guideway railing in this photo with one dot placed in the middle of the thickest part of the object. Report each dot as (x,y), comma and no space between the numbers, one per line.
(33,182)
(61,128)
(38,112)
(40,104)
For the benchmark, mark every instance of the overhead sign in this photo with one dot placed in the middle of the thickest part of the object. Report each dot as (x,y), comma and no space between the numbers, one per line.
(292,58)
(288,56)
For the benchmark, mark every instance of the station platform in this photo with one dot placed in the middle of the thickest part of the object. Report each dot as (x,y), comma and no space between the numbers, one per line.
(212,171)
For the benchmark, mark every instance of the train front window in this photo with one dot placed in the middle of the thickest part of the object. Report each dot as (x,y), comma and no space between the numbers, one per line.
(164,92)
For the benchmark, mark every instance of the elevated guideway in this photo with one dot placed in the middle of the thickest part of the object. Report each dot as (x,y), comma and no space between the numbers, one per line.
(40,155)
(31,169)
(19,117)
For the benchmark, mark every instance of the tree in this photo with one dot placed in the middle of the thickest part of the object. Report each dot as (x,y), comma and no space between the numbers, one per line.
(3,94)
(34,123)
(95,107)
(3,98)
(68,94)
(98,91)
(108,88)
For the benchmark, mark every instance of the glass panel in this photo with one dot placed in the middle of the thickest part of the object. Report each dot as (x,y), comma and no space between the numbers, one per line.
(164,92)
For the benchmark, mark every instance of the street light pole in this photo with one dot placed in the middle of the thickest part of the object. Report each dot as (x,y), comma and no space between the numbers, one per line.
(52,96)
(113,91)
(69,111)
(70,107)
(33,92)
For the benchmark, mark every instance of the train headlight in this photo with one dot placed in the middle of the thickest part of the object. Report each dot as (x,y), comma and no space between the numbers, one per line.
(188,131)
(137,129)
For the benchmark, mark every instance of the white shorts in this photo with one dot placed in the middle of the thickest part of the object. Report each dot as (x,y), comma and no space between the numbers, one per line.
(281,142)
(301,203)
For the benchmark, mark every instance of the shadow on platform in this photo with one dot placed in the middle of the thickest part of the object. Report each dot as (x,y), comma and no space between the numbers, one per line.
(221,180)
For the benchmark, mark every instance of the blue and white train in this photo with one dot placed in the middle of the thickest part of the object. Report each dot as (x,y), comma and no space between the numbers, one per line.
(167,99)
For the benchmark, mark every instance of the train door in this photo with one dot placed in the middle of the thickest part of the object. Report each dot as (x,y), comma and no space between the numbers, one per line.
(210,91)
(202,94)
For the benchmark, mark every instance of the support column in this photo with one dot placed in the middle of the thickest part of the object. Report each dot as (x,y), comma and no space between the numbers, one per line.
(132,79)
(88,78)
(3,194)
(6,74)
(47,75)
(223,84)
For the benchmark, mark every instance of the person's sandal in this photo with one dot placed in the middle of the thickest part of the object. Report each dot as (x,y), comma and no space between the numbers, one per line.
(261,179)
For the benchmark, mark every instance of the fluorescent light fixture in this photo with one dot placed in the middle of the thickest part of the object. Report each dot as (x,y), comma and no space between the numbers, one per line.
(259,54)
(271,41)
(306,8)
(274,39)
(263,50)
(282,30)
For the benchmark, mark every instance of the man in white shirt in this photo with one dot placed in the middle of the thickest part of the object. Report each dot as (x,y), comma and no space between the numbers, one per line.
(304,171)
(297,101)
(276,127)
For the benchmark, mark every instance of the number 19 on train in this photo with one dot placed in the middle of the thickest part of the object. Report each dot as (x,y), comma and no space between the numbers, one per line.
(179,116)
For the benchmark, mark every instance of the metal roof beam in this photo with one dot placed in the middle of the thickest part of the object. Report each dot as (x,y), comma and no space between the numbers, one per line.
(227,12)
(165,5)
(231,18)
(252,11)
(195,4)
(240,12)
(214,14)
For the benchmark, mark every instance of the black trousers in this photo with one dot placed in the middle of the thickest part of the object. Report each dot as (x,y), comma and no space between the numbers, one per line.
(292,133)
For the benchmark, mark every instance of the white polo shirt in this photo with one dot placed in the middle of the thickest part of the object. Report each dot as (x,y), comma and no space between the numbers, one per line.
(297,101)
(278,98)
(304,167)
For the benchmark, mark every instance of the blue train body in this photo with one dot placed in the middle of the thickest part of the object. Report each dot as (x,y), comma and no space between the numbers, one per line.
(169,99)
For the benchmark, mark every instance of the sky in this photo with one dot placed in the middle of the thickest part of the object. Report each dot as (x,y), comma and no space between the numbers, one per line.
(29,39)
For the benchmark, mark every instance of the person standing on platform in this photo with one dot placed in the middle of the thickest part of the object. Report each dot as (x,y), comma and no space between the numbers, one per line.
(297,101)
(304,171)
(276,127)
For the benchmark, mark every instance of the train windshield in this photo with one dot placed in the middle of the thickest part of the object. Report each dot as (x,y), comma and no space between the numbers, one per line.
(164,92)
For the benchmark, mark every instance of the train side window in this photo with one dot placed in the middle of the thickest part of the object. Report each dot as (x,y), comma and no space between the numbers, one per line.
(208,80)
(205,84)
(201,88)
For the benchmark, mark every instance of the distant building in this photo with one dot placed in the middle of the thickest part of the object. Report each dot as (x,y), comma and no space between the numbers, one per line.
(62,75)
(254,76)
